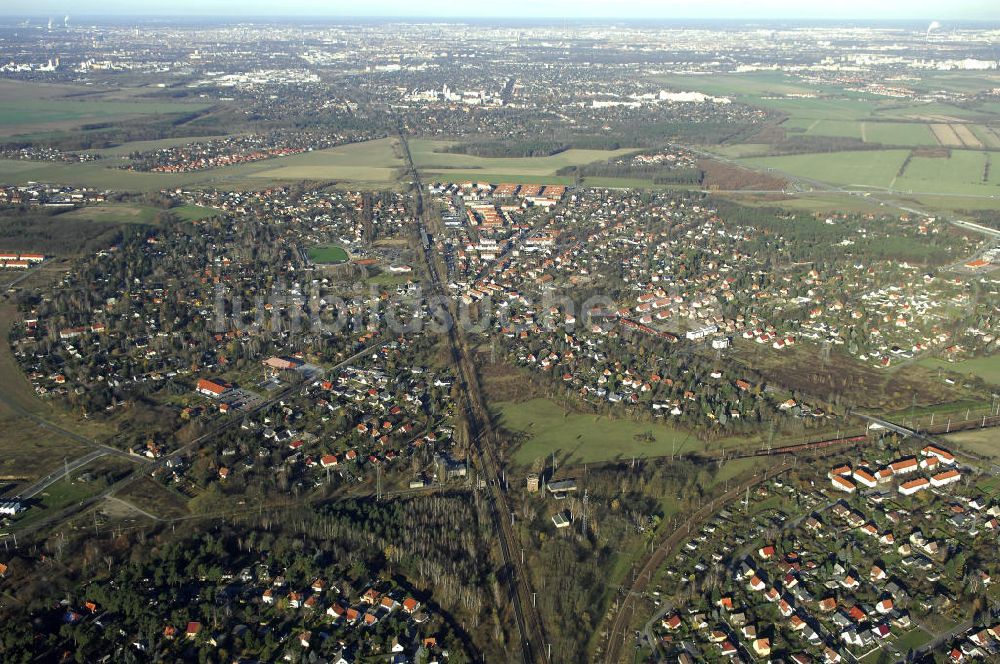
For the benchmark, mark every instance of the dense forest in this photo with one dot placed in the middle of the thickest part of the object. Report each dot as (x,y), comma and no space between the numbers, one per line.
(661,173)
(50,232)
(139,584)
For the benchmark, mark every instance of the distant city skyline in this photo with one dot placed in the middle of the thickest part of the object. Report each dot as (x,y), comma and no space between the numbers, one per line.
(959,10)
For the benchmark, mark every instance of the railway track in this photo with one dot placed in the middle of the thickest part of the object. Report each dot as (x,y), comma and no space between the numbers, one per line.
(620,627)
(618,633)
(484,437)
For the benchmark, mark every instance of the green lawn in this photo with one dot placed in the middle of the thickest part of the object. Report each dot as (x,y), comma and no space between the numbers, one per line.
(194,212)
(986,367)
(389,280)
(989,485)
(60,495)
(114,213)
(983,442)
(327,253)
(912,639)
(125,213)
(583,438)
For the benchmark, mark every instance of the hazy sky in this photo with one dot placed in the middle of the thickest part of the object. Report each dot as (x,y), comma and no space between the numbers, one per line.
(665,9)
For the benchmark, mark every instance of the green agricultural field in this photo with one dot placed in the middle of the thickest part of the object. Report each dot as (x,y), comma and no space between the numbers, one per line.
(92,174)
(897,133)
(736,85)
(584,438)
(872,168)
(990,136)
(372,161)
(836,128)
(19,116)
(327,253)
(970,83)
(810,202)
(427,160)
(961,173)
(936,112)
(869,109)
(887,133)
(10,168)
(957,204)
(740,150)
(822,108)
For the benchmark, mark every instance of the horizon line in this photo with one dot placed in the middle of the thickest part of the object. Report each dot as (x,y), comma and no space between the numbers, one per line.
(456,19)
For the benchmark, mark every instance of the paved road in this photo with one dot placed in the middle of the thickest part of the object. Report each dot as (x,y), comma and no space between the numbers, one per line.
(67,468)
(647,629)
(938,640)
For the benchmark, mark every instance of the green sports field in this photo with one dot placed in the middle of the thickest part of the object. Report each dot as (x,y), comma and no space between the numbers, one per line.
(327,253)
